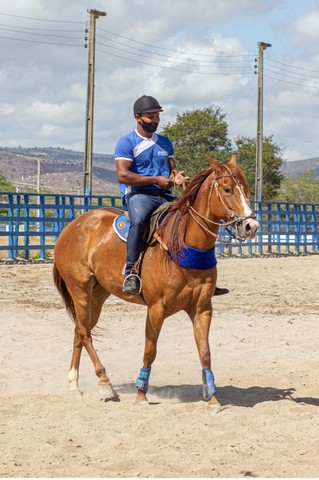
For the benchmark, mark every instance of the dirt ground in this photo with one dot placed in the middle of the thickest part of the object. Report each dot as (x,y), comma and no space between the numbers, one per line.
(264,342)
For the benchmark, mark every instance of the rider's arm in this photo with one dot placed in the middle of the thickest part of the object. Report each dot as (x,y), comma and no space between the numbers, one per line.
(126,176)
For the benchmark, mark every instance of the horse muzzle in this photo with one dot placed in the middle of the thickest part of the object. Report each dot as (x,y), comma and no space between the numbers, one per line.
(247,229)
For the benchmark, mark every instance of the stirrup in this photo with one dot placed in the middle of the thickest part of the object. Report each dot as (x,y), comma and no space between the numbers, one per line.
(139,281)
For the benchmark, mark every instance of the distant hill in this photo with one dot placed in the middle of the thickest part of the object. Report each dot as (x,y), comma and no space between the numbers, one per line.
(293,169)
(62,169)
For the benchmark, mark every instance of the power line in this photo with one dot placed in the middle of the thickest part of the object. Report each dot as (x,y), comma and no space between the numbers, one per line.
(222,62)
(40,19)
(176,69)
(171,50)
(292,73)
(174,60)
(293,66)
(292,83)
(225,64)
(40,29)
(40,42)
(290,76)
(38,34)
(201,63)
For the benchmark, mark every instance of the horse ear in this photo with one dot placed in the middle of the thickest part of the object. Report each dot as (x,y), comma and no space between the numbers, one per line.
(233,159)
(212,162)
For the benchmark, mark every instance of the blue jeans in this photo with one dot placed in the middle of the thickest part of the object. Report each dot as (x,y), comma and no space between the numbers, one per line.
(140,205)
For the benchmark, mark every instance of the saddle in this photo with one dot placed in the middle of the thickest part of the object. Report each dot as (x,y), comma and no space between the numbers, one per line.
(121,226)
(188,258)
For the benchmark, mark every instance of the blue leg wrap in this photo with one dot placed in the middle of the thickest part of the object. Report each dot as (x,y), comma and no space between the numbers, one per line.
(142,380)
(209,387)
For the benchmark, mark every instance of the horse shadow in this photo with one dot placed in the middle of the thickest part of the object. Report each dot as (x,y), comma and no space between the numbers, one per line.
(235,396)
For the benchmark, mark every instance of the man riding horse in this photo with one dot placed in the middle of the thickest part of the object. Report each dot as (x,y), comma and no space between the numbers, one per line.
(146,171)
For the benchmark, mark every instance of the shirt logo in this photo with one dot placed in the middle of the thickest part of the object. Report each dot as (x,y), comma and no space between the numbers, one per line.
(162,153)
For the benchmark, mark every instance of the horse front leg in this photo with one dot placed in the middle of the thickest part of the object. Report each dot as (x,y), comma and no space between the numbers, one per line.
(201,325)
(154,321)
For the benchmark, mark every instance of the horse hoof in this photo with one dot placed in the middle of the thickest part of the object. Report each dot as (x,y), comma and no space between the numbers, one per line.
(141,403)
(107,393)
(216,408)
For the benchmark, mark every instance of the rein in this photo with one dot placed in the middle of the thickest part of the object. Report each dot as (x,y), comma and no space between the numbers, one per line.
(236,220)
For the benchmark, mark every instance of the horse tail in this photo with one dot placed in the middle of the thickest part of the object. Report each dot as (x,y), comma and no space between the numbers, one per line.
(64,292)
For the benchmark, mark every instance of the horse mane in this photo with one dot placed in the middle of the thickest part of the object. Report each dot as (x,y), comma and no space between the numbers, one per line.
(175,224)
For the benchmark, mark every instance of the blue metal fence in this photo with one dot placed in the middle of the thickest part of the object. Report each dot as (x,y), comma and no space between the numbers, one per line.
(31,223)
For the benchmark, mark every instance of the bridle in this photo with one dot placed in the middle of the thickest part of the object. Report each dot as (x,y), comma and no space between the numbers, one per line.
(235,219)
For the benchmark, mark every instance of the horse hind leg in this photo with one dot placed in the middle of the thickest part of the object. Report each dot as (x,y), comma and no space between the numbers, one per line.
(75,363)
(88,304)
(105,387)
(107,393)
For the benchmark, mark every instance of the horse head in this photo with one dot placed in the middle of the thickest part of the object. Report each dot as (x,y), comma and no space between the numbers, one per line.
(217,196)
(230,201)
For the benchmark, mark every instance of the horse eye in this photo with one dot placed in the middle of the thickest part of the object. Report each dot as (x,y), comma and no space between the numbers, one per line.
(227,190)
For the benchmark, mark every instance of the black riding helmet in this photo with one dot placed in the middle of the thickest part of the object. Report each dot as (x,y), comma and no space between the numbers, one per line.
(146,104)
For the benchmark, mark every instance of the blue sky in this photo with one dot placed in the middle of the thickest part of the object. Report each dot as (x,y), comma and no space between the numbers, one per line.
(187,54)
(270,26)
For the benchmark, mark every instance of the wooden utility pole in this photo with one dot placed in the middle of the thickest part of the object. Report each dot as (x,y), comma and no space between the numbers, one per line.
(39,175)
(88,151)
(259,143)
(38,190)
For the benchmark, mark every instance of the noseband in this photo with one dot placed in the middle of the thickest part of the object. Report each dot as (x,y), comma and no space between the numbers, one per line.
(235,219)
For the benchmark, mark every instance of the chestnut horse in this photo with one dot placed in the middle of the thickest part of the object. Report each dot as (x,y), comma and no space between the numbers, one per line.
(89,260)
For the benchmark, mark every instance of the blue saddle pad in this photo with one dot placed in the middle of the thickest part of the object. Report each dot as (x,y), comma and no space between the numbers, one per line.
(121,226)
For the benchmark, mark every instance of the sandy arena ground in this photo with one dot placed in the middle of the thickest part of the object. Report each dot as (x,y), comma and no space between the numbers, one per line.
(264,342)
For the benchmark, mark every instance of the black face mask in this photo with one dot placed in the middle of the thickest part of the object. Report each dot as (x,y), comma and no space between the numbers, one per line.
(150,127)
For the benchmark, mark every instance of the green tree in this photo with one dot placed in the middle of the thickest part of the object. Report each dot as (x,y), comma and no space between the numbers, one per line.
(302,189)
(200,133)
(5,185)
(272,161)
(196,135)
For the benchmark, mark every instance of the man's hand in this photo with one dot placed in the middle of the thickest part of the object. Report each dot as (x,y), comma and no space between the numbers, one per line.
(164,182)
(181,178)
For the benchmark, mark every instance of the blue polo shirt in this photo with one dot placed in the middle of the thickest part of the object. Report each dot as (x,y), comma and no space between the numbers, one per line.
(149,156)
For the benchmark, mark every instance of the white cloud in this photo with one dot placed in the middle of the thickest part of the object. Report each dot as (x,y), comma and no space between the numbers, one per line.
(307,26)
(7,109)
(152,49)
